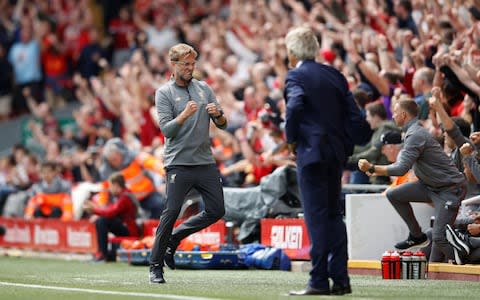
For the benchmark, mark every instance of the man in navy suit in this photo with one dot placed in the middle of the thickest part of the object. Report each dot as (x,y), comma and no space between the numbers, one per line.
(317,98)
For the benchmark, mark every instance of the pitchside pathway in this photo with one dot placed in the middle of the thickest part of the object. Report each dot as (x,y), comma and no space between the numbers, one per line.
(441,271)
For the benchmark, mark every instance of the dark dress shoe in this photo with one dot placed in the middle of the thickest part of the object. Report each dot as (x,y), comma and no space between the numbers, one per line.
(338,289)
(309,291)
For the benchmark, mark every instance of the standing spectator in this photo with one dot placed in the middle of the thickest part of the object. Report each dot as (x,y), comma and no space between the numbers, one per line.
(76,33)
(403,11)
(88,62)
(160,35)
(120,28)
(5,84)
(25,59)
(118,217)
(55,66)
(422,84)
(316,95)
(185,107)
(439,182)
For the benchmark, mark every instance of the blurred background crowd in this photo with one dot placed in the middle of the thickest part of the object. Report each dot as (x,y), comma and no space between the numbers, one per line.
(109,57)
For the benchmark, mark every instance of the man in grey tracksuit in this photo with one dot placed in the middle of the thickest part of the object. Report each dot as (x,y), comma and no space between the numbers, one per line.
(439,182)
(185,107)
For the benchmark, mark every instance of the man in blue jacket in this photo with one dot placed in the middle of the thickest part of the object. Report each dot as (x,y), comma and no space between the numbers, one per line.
(318,98)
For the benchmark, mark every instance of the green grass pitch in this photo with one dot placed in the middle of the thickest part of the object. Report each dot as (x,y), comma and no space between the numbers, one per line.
(39,279)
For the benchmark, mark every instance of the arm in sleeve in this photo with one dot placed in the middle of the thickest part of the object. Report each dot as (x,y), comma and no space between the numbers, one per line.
(472,163)
(412,148)
(457,136)
(166,114)
(113,210)
(371,154)
(294,93)
(450,127)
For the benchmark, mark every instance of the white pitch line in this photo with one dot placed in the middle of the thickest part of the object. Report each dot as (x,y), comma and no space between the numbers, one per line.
(92,291)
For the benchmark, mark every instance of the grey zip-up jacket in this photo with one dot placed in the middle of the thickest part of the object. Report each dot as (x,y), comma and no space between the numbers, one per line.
(187,144)
(430,163)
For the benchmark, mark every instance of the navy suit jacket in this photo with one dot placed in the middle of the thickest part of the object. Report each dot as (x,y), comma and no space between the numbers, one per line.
(317,98)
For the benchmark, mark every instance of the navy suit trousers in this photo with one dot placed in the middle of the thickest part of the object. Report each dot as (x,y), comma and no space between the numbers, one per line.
(320,186)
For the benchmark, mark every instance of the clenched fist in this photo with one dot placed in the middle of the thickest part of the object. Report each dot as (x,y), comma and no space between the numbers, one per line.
(364,165)
(189,110)
(213,110)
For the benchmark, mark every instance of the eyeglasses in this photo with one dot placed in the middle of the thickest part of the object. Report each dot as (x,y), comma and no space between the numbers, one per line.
(186,64)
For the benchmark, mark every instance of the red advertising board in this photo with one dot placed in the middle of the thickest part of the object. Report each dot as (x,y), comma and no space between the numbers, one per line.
(80,236)
(213,234)
(50,235)
(288,234)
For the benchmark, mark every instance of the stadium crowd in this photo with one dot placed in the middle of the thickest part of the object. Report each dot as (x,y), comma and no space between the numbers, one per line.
(111,63)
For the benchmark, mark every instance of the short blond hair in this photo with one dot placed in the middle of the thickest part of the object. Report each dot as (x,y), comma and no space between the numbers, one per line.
(181,50)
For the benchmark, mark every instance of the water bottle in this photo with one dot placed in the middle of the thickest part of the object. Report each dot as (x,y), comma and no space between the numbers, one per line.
(230,227)
(386,265)
(415,266)
(406,260)
(395,265)
(421,259)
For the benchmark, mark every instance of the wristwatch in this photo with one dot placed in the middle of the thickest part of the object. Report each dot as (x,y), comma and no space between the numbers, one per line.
(371,169)
(220,115)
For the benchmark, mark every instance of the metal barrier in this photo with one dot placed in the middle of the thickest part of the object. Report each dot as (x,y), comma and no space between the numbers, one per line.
(363,188)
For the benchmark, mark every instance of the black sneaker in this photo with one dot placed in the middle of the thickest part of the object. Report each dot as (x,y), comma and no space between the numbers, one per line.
(460,257)
(169,257)
(156,274)
(460,244)
(413,242)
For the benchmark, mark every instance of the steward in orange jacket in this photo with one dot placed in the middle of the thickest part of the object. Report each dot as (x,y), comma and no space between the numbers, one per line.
(139,171)
(50,198)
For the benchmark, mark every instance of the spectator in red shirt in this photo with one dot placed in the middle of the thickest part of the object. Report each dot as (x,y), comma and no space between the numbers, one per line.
(54,63)
(120,28)
(118,217)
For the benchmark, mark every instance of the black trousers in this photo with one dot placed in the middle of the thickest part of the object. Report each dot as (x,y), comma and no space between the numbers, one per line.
(180,180)
(106,225)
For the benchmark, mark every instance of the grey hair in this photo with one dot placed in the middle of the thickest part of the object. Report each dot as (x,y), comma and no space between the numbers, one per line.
(302,43)
(181,50)
(426,74)
(110,148)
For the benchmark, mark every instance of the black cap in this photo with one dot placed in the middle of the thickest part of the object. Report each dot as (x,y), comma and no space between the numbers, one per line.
(391,137)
